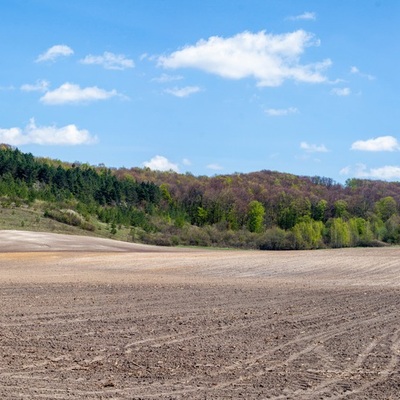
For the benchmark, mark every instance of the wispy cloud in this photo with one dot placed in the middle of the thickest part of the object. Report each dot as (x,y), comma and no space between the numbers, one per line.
(165,78)
(281,112)
(215,167)
(345,170)
(38,86)
(184,91)
(387,172)
(313,148)
(382,143)
(341,91)
(268,58)
(68,135)
(109,61)
(161,163)
(306,16)
(59,50)
(69,93)
(356,71)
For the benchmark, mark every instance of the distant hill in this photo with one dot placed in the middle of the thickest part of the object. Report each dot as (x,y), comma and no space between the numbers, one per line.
(261,210)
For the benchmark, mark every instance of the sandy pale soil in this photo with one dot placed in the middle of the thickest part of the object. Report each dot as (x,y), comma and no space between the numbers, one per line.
(84,318)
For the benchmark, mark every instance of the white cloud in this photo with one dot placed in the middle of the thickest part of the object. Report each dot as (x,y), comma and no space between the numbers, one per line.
(38,86)
(356,71)
(382,143)
(46,135)
(109,61)
(313,148)
(184,91)
(215,167)
(345,170)
(270,59)
(387,172)
(341,91)
(279,112)
(310,16)
(71,93)
(54,52)
(161,163)
(186,162)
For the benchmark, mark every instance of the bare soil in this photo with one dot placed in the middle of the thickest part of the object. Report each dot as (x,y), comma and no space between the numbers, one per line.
(84,318)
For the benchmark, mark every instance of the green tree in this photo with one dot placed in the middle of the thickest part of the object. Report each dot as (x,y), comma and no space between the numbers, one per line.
(319,210)
(340,209)
(386,207)
(308,234)
(255,217)
(339,233)
(360,231)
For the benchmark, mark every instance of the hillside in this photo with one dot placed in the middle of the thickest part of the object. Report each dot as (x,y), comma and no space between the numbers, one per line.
(261,210)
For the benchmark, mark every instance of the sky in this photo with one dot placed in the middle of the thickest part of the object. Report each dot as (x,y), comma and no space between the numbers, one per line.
(307,87)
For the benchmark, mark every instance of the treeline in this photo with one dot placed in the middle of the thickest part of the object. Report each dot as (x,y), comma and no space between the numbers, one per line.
(263,210)
(272,210)
(83,188)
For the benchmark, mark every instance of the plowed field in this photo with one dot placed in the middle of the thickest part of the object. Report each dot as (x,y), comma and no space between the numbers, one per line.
(84,318)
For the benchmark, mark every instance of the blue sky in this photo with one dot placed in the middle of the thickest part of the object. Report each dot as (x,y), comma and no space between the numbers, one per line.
(210,87)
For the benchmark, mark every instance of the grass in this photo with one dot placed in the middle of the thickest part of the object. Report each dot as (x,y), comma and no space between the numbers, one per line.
(31,218)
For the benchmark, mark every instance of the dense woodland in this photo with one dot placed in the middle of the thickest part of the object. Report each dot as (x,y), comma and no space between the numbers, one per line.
(260,210)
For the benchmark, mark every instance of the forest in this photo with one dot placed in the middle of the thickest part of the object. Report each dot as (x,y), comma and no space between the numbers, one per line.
(264,210)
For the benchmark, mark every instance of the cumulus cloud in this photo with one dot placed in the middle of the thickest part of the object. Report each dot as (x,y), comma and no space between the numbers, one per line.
(268,58)
(313,148)
(38,86)
(280,112)
(161,163)
(341,91)
(69,93)
(310,16)
(59,50)
(382,143)
(68,135)
(387,172)
(184,91)
(109,61)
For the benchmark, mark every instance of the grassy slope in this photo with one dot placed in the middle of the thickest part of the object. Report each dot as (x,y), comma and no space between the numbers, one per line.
(32,219)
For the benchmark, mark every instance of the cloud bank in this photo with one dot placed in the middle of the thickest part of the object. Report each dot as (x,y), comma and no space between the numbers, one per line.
(161,163)
(382,143)
(269,59)
(38,86)
(68,135)
(387,172)
(69,93)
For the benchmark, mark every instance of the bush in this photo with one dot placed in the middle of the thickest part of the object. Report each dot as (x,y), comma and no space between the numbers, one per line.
(69,217)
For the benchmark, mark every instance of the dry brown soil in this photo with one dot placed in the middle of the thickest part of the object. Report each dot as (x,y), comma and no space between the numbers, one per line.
(85,318)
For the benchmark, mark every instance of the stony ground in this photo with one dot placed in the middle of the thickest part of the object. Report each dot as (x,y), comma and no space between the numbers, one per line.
(89,319)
